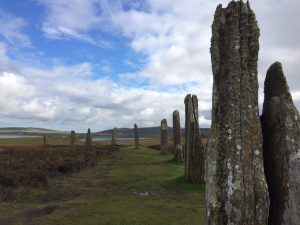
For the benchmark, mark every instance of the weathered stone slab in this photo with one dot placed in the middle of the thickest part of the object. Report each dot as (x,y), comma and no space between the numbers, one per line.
(114,137)
(88,138)
(72,138)
(236,188)
(45,140)
(194,150)
(164,136)
(177,147)
(136,136)
(281,133)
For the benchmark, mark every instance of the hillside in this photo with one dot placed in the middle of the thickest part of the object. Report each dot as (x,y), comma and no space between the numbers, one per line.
(28,130)
(146,132)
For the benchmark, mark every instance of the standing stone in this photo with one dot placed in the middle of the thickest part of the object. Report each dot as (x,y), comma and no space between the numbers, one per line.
(281,133)
(236,187)
(45,139)
(164,137)
(113,137)
(88,139)
(136,136)
(194,150)
(177,147)
(73,138)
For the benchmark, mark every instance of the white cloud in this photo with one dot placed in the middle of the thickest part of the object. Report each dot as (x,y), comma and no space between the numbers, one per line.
(173,36)
(12,29)
(14,89)
(73,19)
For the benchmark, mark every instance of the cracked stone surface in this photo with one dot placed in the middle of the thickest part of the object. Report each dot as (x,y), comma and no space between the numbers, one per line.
(236,187)
(281,133)
(164,137)
(194,150)
(177,147)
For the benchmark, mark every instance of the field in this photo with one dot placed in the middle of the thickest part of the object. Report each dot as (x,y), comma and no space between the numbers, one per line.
(118,187)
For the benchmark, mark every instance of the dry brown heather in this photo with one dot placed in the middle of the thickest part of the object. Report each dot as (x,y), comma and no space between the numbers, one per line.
(281,131)
(236,190)
(22,168)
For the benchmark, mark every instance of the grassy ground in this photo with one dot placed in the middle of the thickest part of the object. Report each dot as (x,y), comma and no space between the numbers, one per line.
(132,187)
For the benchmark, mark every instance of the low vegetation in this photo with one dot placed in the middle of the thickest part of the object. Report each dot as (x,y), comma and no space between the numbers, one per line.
(25,167)
(129,187)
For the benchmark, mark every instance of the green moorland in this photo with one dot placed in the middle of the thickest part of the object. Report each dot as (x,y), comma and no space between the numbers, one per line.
(130,187)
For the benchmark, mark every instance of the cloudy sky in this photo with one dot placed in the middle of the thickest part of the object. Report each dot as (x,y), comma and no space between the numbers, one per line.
(105,63)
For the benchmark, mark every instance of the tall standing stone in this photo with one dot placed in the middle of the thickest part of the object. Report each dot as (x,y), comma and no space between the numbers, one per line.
(194,150)
(164,136)
(45,139)
(136,136)
(281,133)
(73,138)
(177,147)
(236,188)
(88,138)
(114,137)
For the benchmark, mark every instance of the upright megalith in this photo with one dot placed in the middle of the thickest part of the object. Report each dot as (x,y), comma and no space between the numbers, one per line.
(72,138)
(281,135)
(88,138)
(45,140)
(136,136)
(114,137)
(164,137)
(236,188)
(177,147)
(194,150)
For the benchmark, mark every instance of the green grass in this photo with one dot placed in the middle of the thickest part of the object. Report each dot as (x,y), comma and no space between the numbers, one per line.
(108,193)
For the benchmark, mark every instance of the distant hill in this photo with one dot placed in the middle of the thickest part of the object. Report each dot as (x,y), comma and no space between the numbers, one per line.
(28,130)
(147,132)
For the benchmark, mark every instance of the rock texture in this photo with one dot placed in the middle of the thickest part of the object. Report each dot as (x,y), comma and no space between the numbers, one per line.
(88,138)
(177,147)
(194,150)
(164,136)
(45,139)
(136,136)
(236,192)
(114,137)
(73,138)
(281,134)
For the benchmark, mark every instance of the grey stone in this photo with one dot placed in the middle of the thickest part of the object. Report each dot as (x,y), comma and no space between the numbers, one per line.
(114,137)
(45,140)
(88,138)
(177,147)
(281,133)
(194,151)
(236,187)
(73,138)
(164,137)
(136,136)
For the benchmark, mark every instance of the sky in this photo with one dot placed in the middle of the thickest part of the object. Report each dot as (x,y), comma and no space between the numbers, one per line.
(111,63)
